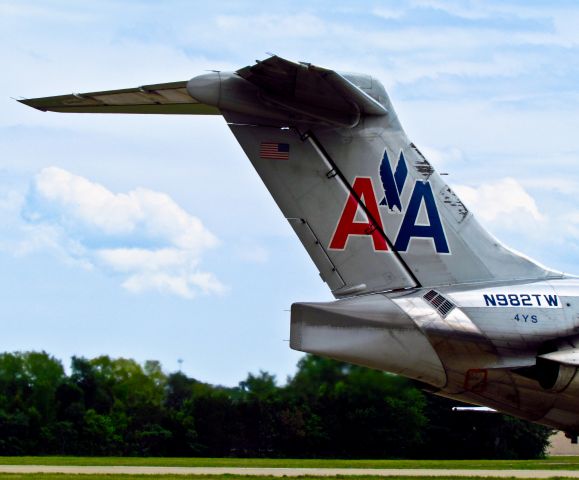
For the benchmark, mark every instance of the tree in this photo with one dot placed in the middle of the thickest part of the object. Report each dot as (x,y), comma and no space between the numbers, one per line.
(117,406)
(479,435)
(357,412)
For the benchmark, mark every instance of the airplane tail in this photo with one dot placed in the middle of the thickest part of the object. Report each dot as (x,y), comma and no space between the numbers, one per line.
(366,204)
(375,217)
(368,207)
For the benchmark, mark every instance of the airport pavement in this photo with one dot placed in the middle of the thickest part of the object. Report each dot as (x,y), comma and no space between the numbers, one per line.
(287,472)
(560,445)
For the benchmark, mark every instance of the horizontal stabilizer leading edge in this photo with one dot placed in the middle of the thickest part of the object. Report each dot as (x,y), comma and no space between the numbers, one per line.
(163,98)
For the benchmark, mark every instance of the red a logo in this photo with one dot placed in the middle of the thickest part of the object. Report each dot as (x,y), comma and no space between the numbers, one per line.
(347,225)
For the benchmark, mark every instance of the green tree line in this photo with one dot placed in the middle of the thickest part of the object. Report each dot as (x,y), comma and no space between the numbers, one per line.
(327,409)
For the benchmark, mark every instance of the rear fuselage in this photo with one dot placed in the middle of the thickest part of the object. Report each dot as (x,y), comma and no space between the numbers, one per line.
(482,344)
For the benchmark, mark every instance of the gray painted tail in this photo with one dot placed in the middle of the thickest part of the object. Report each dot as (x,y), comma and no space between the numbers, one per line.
(366,204)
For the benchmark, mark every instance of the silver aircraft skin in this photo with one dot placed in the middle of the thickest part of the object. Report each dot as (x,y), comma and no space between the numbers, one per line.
(422,289)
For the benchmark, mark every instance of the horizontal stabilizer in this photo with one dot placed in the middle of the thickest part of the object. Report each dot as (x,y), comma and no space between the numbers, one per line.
(163,98)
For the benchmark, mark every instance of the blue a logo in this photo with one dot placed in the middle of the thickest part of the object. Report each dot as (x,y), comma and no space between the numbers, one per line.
(393,183)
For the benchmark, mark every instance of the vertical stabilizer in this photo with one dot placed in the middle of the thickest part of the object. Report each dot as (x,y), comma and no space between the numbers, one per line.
(367,205)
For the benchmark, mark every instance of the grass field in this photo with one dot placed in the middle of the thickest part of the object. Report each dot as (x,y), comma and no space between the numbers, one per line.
(62,476)
(552,463)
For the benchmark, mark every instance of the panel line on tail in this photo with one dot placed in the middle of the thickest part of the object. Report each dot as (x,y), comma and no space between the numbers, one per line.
(334,170)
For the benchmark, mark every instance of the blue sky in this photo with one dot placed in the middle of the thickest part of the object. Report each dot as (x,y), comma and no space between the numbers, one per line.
(152,237)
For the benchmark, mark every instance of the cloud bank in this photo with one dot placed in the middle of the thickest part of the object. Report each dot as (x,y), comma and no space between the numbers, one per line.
(503,199)
(142,236)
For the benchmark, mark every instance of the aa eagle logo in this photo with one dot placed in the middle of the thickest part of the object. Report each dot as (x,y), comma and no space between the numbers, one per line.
(393,184)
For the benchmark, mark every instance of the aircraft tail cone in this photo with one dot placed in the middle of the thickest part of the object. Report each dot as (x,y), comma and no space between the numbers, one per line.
(370,331)
(206,88)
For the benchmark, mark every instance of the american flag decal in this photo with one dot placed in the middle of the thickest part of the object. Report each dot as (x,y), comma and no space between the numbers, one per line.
(274,151)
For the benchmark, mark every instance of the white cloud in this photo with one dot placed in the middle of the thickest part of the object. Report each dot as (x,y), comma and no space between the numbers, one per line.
(565,186)
(46,237)
(497,66)
(287,26)
(142,235)
(13,9)
(503,200)
(178,285)
(128,259)
(84,202)
(251,253)
(569,226)
(388,13)
(10,200)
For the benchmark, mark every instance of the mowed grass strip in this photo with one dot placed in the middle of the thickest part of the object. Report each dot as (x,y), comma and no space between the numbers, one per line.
(551,463)
(90,476)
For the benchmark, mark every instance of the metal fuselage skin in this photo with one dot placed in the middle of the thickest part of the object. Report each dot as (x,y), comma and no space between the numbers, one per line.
(482,346)
(423,289)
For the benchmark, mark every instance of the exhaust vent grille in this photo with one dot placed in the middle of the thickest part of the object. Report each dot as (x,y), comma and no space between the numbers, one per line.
(441,304)
(430,295)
